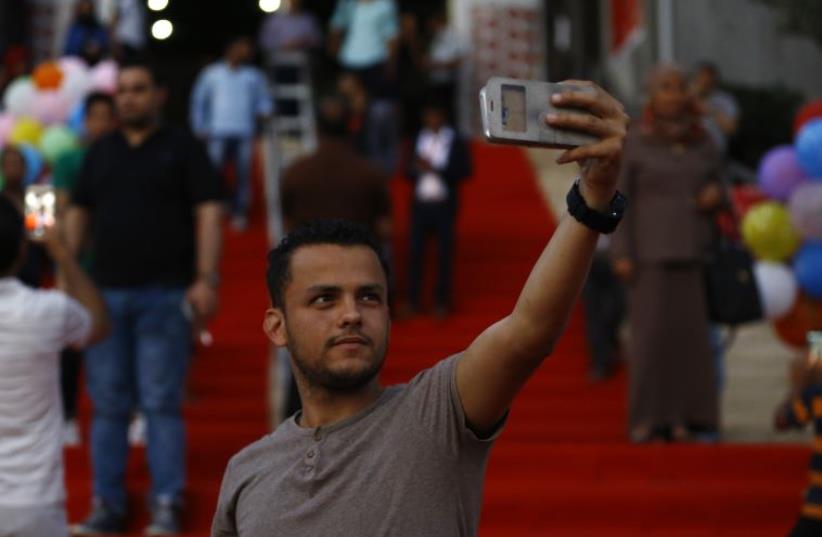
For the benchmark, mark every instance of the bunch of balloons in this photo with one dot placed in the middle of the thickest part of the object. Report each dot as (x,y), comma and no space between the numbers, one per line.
(784,232)
(42,114)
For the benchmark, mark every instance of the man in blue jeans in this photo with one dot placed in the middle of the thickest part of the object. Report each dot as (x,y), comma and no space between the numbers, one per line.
(150,200)
(228,99)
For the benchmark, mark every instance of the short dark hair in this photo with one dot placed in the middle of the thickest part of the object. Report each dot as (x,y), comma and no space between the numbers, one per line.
(333,114)
(336,232)
(99,97)
(11,234)
(142,62)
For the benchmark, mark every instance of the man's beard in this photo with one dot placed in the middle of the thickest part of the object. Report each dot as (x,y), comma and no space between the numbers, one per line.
(337,381)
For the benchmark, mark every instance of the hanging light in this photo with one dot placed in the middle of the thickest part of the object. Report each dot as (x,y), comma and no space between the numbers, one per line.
(270,6)
(157,5)
(162,29)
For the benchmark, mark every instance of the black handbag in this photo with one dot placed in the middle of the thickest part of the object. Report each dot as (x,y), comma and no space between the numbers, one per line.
(733,296)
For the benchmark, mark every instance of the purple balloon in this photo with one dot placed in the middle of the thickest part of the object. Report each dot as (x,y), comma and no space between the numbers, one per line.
(780,172)
(806,211)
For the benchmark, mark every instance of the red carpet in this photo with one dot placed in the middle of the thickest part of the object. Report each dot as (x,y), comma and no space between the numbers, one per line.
(561,468)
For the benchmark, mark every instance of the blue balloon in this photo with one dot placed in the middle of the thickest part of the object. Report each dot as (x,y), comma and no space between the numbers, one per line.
(77,119)
(807,266)
(809,148)
(34,163)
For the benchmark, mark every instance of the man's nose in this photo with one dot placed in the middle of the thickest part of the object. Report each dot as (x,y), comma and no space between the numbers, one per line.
(351,314)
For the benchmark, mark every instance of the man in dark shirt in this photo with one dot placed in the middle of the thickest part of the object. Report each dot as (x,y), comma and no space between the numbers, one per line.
(335,182)
(150,199)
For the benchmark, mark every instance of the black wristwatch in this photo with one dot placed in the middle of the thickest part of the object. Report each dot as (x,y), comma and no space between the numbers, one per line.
(601,222)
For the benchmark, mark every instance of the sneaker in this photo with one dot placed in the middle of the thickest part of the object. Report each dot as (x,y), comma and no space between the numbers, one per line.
(101,521)
(165,519)
(71,433)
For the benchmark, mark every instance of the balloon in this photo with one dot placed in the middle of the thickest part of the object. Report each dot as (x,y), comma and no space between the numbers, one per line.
(746,196)
(809,148)
(806,316)
(6,125)
(19,97)
(810,111)
(77,119)
(777,288)
(806,211)
(767,231)
(780,172)
(70,64)
(104,76)
(50,107)
(26,131)
(34,163)
(76,85)
(56,141)
(47,76)
(808,269)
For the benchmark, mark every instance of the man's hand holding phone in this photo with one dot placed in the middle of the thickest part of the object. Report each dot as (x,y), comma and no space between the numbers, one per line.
(605,119)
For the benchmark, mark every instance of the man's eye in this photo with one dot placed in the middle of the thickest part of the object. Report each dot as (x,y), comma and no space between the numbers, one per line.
(322,299)
(372,297)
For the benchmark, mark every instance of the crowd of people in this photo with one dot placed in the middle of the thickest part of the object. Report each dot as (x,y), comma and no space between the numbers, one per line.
(129,290)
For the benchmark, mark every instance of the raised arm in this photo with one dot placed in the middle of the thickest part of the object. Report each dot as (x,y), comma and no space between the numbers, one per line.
(497,364)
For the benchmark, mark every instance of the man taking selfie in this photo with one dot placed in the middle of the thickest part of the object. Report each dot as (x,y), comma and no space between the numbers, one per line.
(361,459)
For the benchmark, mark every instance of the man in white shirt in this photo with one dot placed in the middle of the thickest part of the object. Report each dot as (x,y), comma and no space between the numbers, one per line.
(35,325)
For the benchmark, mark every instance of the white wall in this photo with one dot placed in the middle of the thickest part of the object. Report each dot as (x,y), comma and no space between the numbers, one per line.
(743,38)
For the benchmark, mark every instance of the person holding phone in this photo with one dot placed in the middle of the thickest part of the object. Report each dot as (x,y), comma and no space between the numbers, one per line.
(35,325)
(151,201)
(361,459)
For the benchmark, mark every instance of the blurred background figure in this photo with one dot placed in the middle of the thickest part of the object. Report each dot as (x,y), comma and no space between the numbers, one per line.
(100,120)
(801,408)
(289,29)
(411,77)
(721,112)
(443,61)
(34,326)
(603,298)
(150,200)
(670,171)
(13,170)
(87,37)
(440,163)
(364,39)
(13,167)
(228,100)
(129,30)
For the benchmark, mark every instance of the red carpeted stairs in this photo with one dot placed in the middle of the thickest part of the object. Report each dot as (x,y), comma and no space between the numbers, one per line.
(562,466)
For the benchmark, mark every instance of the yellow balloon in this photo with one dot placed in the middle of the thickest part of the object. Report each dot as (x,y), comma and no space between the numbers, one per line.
(26,131)
(768,232)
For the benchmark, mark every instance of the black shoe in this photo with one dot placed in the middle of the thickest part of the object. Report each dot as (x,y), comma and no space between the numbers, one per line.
(101,521)
(165,519)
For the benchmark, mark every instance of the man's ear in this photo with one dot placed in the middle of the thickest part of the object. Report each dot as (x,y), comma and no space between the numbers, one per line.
(274,327)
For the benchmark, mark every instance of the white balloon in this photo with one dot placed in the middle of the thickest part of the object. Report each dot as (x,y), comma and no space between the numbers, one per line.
(76,84)
(778,289)
(19,97)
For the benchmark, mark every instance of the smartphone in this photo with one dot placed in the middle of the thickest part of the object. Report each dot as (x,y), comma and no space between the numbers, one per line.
(513,112)
(41,204)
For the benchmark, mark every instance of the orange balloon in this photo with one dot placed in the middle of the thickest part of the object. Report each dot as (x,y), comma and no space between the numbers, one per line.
(47,76)
(806,316)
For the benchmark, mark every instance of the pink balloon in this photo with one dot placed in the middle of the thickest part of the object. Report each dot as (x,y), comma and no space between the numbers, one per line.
(806,211)
(6,124)
(50,107)
(70,64)
(104,76)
